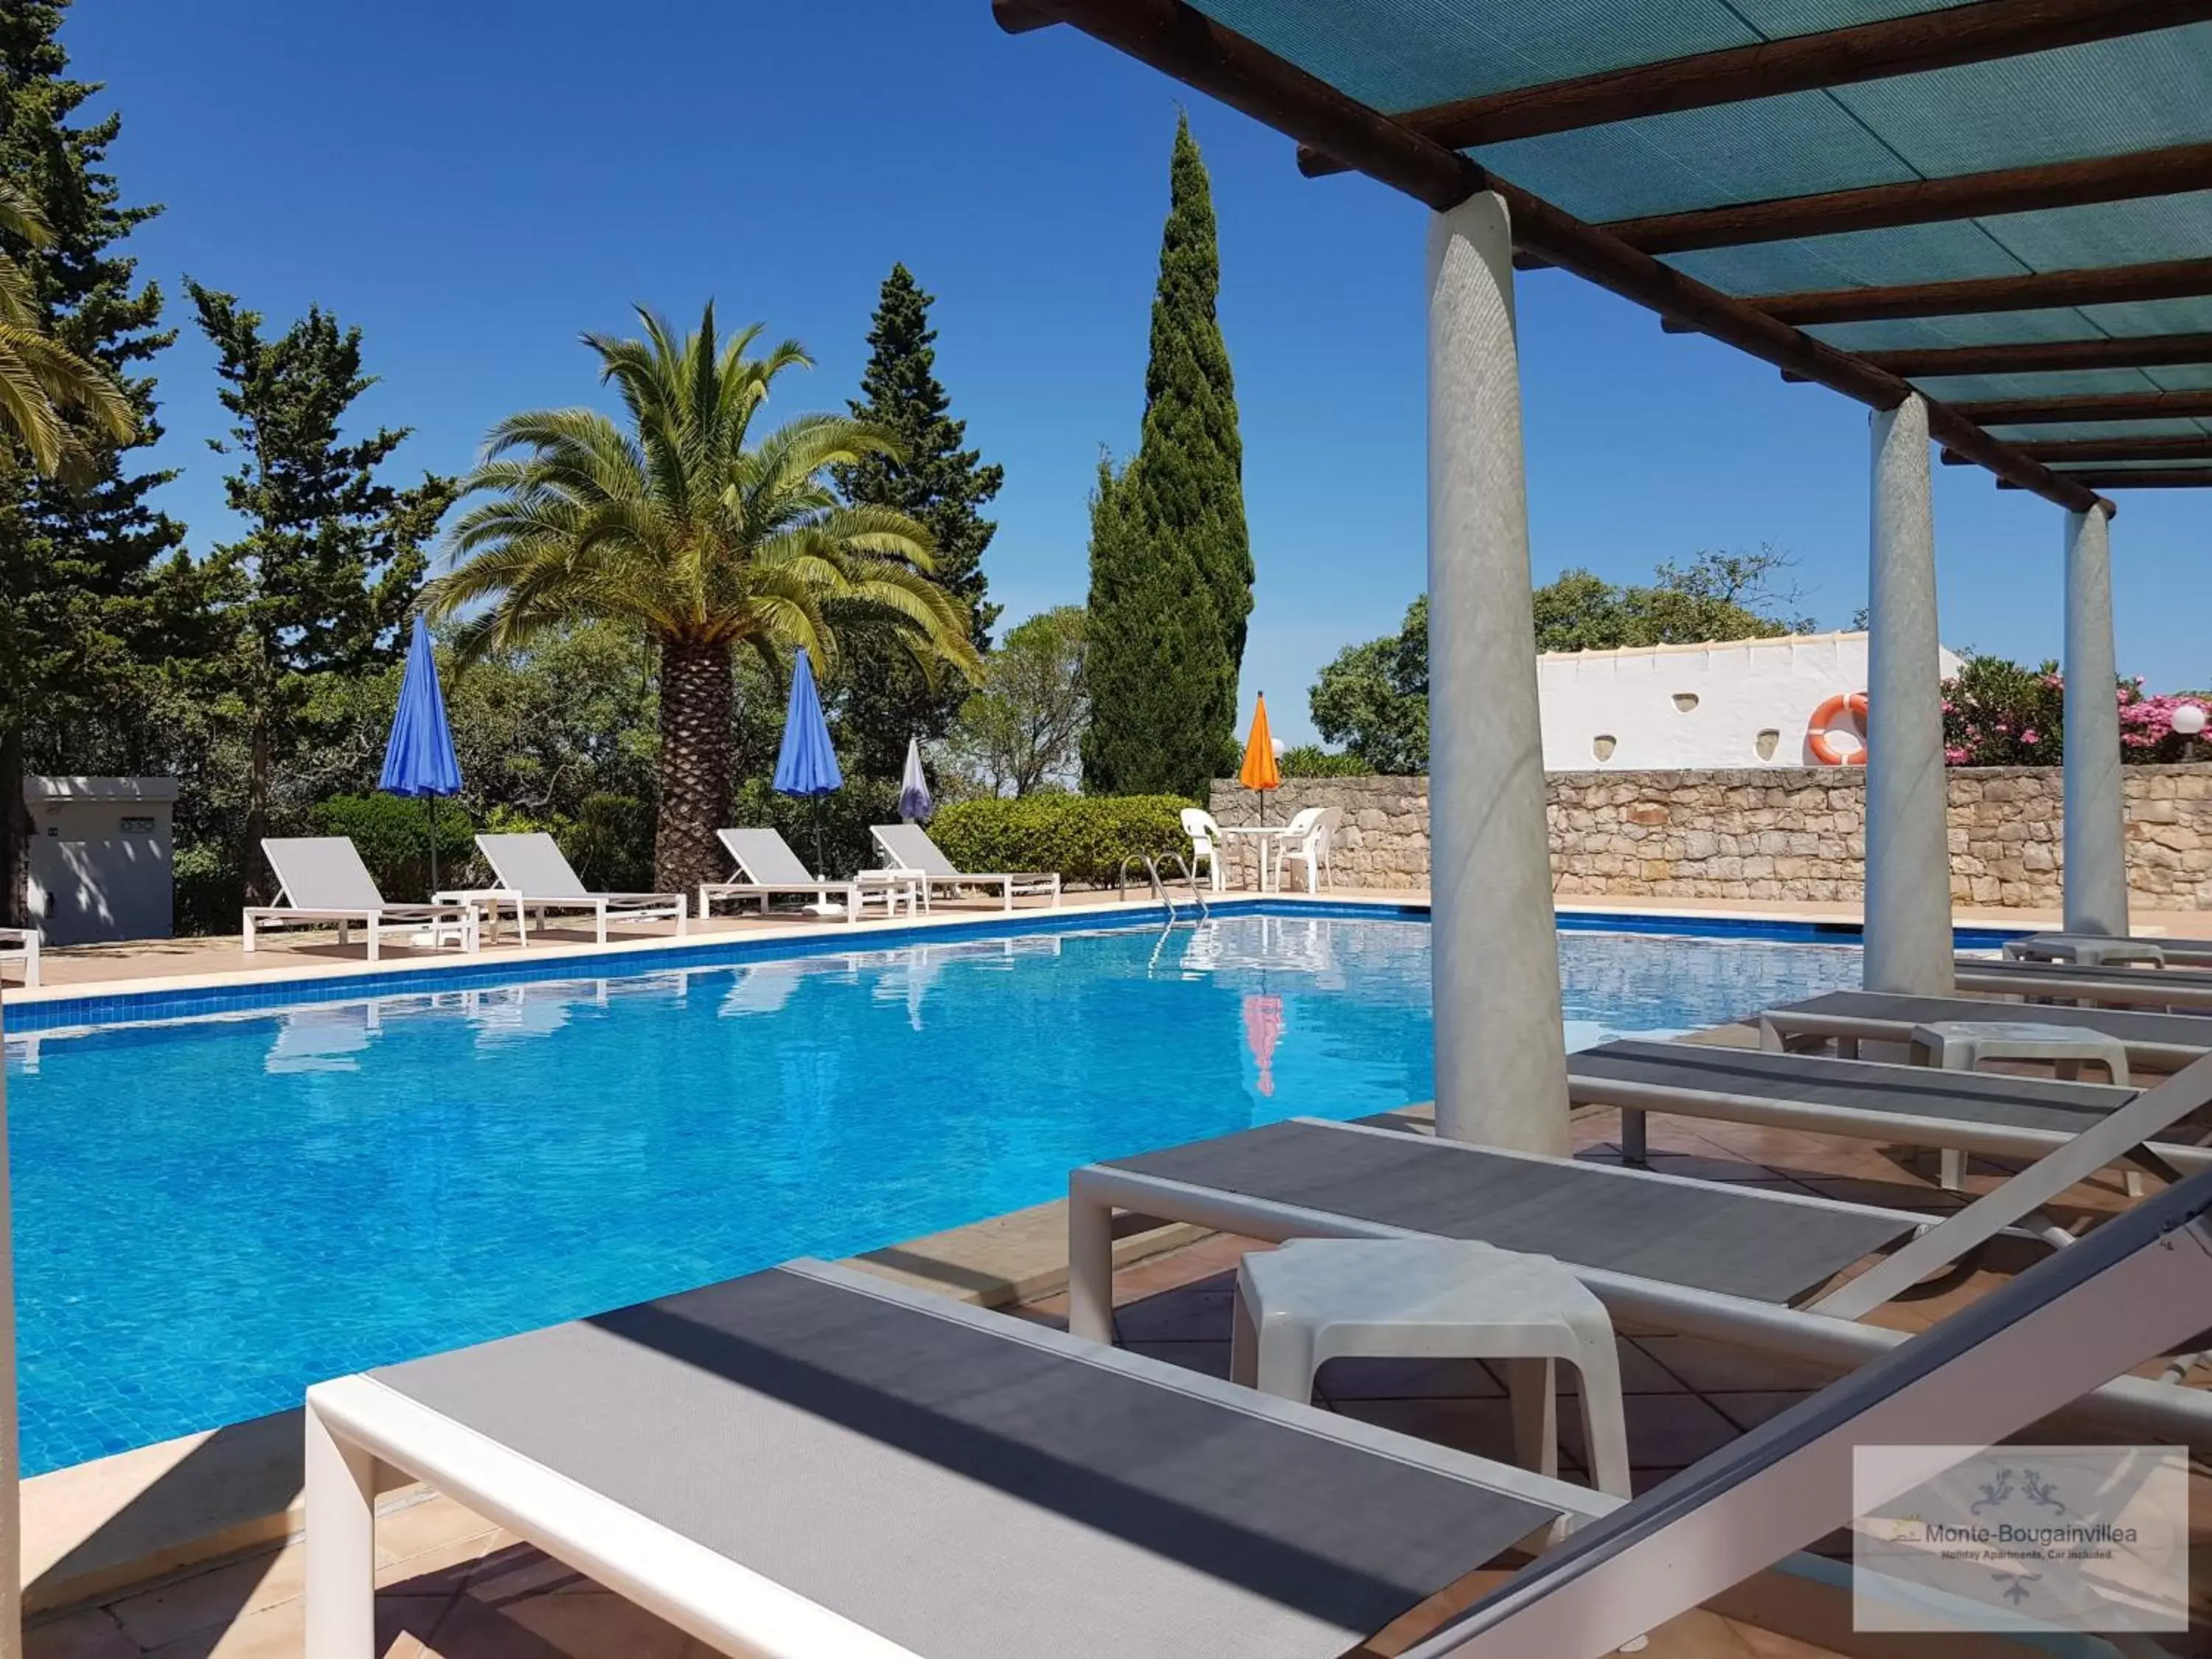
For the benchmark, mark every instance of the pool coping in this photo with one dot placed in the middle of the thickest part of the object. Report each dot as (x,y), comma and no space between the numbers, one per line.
(110,1002)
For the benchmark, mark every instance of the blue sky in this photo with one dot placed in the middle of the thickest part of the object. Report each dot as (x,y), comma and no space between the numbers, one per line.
(475,184)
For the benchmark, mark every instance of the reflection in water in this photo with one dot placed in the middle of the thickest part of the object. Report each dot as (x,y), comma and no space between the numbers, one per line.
(323,1039)
(1263,1029)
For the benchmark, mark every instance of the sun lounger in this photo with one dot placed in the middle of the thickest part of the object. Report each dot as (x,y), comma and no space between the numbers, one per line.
(2092,948)
(2162,1043)
(320,879)
(531,874)
(2142,987)
(812,1462)
(909,847)
(768,869)
(1994,1114)
(1709,1259)
(20,946)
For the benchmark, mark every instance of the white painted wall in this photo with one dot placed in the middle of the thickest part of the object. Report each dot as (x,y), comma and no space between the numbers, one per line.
(1740,688)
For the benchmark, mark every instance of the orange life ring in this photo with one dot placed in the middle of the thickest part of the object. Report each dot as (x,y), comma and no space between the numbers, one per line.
(1819,728)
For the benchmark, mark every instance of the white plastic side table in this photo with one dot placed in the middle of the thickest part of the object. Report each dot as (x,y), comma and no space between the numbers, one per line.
(1962,1045)
(2087,950)
(1315,1300)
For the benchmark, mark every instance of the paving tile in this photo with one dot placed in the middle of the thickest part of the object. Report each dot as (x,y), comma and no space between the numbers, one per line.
(1711,1367)
(1674,1430)
(1407,1379)
(467,1629)
(1484,1427)
(214,1597)
(87,1633)
(1200,1313)
(434,1522)
(592,1624)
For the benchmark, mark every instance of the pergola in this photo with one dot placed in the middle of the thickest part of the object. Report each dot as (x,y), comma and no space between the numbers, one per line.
(1990,223)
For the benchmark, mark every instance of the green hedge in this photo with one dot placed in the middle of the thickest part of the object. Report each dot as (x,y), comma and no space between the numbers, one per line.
(1311,760)
(393,835)
(1083,837)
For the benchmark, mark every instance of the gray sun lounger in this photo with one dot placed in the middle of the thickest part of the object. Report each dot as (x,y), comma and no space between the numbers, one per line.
(1733,1262)
(321,880)
(531,874)
(819,1464)
(2160,1042)
(1960,1112)
(2146,988)
(768,868)
(908,846)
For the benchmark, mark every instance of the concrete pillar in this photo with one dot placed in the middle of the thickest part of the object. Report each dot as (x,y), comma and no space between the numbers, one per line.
(1908,848)
(2096,819)
(1501,1061)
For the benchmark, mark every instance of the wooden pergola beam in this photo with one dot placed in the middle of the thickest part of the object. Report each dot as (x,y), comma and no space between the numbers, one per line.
(1190,47)
(2180,477)
(2109,406)
(2107,449)
(2046,357)
(2170,279)
(1972,34)
(1925,201)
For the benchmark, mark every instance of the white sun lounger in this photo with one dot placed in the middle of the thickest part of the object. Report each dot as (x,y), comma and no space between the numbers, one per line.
(815,1463)
(21,946)
(909,848)
(768,869)
(530,873)
(320,879)
(1997,1115)
(1730,1263)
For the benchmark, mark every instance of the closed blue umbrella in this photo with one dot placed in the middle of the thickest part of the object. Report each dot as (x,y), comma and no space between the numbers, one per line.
(806,764)
(915,804)
(418,756)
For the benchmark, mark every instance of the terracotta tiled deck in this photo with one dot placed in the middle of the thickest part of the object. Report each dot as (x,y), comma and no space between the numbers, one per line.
(460,1589)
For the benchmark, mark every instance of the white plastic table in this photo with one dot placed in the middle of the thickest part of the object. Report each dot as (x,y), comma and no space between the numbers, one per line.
(1962,1045)
(21,946)
(1318,1299)
(1264,839)
(2087,950)
(486,901)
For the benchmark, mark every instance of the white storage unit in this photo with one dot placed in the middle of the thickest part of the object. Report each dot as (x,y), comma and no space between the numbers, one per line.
(1665,707)
(101,862)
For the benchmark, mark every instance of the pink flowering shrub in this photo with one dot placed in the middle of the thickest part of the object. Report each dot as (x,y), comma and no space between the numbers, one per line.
(2000,713)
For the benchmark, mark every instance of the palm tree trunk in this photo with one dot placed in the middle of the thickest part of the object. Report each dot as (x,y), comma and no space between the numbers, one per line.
(695,744)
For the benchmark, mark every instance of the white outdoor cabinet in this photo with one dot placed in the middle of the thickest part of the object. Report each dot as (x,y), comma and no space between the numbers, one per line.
(101,858)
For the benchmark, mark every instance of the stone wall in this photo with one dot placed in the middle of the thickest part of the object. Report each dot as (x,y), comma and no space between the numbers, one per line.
(1772,834)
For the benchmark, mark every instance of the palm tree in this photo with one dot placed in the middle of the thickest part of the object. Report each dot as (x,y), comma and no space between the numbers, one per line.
(39,377)
(676,526)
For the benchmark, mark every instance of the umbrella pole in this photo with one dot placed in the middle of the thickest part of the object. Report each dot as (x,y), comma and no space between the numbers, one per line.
(432,800)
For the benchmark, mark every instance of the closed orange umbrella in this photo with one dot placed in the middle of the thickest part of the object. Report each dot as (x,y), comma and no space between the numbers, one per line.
(1260,770)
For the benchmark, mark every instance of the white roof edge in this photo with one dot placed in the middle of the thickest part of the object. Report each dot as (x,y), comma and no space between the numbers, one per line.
(37,789)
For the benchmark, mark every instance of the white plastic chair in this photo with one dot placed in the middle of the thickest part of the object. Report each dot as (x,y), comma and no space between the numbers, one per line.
(1306,841)
(1205,844)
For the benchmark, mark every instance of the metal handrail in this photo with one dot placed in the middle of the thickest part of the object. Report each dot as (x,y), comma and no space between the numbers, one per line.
(1197,893)
(1152,875)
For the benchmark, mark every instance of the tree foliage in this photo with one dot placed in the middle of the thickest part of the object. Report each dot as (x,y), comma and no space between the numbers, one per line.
(1373,697)
(83,611)
(319,585)
(684,527)
(1170,556)
(882,696)
(1024,730)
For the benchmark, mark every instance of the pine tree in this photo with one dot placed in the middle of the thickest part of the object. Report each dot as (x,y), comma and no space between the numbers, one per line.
(1176,585)
(886,699)
(328,568)
(80,559)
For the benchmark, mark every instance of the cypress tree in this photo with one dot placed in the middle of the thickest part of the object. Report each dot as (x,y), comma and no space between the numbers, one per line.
(79,558)
(886,699)
(1171,562)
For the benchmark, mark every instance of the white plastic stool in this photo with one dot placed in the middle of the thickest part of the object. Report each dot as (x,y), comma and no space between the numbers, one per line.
(2085,949)
(1315,1300)
(1962,1045)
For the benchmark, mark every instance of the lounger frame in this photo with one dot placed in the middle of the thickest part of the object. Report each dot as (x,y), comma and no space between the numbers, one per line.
(1635,1100)
(355,1422)
(1779,1027)
(2066,981)
(2131,1405)
(626,907)
(1012,884)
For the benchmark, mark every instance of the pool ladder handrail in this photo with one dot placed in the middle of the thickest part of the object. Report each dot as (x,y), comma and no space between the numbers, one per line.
(1159,883)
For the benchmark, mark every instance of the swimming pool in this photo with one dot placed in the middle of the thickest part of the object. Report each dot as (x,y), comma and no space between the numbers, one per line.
(211,1213)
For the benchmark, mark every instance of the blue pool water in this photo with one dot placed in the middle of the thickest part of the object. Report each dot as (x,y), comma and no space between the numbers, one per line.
(211,1213)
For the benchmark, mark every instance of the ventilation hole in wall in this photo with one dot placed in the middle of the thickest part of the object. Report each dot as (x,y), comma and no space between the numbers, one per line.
(1602,746)
(1685,700)
(1766,743)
